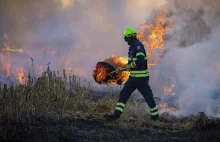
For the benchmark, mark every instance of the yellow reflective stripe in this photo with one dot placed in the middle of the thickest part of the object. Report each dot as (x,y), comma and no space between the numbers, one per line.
(121,104)
(141,71)
(140,53)
(118,108)
(154,113)
(139,75)
(134,59)
(153,109)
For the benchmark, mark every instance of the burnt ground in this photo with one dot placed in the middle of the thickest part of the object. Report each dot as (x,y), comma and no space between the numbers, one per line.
(81,129)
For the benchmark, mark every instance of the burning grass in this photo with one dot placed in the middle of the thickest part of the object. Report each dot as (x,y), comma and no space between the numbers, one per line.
(51,107)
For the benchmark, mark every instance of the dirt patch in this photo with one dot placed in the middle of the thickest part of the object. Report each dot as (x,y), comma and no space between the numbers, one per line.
(79,129)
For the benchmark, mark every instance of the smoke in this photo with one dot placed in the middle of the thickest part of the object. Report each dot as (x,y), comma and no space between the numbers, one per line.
(76,34)
(194,56)
(81,31)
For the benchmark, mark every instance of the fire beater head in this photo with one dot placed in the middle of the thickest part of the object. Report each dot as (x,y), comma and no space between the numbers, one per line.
(101,76)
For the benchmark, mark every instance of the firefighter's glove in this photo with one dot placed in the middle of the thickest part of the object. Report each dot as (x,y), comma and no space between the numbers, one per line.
(119,69)
(128,66)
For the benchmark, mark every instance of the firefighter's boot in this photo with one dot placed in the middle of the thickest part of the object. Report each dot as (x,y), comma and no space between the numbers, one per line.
(155,117)
(114,116)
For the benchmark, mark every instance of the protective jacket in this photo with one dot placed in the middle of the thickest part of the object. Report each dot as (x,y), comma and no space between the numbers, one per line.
(138,60)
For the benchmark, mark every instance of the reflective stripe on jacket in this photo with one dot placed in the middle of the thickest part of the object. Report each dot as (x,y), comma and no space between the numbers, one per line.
(138,60)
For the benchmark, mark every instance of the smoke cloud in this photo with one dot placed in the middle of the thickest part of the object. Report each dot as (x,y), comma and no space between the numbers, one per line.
(82,31)
(194,56)
(77,34)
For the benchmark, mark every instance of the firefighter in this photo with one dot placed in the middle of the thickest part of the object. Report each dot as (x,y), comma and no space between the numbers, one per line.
(138,79)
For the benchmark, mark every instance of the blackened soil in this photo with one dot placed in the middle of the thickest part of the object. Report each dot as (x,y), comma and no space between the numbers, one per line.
(78,129)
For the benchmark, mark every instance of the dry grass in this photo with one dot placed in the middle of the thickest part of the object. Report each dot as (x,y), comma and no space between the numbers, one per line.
(50,98)
(53,99)
(203,122)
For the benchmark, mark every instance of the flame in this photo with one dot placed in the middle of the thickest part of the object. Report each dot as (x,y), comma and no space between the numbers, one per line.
(164,107)
(168,87)
(5,58)
(21,75)
(117,61)
(101,71)
(153,35)
(13,50)
(10,67)
(7,45)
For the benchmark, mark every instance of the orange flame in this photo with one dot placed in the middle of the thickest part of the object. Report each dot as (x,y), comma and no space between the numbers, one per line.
(5,65)
(153,35)
(168,87)
(6,59)
(21,75)
(7,44)
(116,61)
(166,107)
(101,71)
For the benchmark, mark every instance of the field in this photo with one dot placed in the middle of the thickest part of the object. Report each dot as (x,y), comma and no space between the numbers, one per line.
(55,108)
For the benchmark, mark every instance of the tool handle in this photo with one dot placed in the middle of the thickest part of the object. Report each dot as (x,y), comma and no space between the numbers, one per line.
(116,71)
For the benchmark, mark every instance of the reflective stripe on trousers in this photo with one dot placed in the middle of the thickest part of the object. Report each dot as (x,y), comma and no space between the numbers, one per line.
(154,111)
(120,106)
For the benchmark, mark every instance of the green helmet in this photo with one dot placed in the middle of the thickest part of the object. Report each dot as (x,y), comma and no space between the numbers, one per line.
(129,32)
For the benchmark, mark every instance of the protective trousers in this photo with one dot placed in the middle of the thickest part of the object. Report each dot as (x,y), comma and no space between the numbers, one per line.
(143,87)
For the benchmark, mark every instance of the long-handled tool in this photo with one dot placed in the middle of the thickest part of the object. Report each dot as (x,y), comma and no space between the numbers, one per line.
(116,71)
